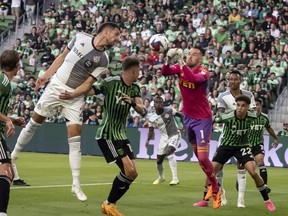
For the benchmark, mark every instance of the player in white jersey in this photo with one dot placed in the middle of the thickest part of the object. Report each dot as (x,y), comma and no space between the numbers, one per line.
(226,102)
(77,67)
(164,118)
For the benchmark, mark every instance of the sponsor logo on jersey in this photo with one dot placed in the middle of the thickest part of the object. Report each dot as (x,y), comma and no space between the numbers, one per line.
(88,63)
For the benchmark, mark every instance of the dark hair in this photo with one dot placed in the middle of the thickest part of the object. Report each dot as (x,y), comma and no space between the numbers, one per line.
(244,98)
(259,100)
(236,72)
(158,99)
(129,62)
(111,25)
(9,60)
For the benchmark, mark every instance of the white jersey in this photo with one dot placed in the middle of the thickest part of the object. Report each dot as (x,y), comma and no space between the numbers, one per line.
(166,122)
(82,61)
(227,101)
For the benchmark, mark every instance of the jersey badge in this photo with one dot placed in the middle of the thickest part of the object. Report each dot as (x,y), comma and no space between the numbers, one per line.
(202,141)
(166,115)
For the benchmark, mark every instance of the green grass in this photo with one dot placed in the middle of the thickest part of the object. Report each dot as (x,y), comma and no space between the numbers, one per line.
(50,193)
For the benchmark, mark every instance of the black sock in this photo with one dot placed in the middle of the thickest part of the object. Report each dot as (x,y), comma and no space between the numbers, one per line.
(263,191)
(205,192)
(4,193)
(263,173)
(120,186)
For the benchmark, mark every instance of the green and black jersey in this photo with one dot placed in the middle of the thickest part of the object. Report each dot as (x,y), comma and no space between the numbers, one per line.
(113,125)
(5,99)
(235,131)
(257,129)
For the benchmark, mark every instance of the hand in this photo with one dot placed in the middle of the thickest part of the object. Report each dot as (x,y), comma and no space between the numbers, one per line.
(67,95)
(41,81)
(275,144)
(20,122)
(10,129)
(180,55)
(127,99)
(171,54)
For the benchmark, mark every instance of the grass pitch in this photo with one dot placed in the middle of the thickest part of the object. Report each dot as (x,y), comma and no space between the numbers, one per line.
(50,191)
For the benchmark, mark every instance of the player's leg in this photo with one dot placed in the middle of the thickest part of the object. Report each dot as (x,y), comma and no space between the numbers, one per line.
(219,178)
(173,143)
(128,172)
(72,113)
(161,154)
(259,153)
(251,168)
(160,169)
(24,138)
(75,155)
(241,181)
(6,177)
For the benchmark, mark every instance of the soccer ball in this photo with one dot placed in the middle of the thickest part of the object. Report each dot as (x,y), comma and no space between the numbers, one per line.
(158,43)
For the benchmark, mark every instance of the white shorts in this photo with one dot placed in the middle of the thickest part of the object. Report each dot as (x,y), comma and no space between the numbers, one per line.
(49,100)
(165,142)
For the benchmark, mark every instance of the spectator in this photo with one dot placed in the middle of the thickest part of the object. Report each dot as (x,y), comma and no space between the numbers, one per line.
(284,132)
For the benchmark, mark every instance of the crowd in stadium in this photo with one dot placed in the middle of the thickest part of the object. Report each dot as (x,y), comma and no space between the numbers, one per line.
(250,36)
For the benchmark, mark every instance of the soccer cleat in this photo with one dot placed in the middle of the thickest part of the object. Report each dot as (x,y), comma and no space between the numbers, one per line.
(174,182)
(158,180)
(77,191)
(216,199)
(201,203)
(209,193)
(241,204)
(270,206)
(20,182)
(110,209)
(223,198)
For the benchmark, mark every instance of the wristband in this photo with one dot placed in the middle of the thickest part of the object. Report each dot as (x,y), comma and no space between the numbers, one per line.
(133,104)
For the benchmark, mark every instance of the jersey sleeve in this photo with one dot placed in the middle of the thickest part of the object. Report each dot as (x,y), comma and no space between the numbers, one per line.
(98,71)
(221,102)
(72,42)
(173,111)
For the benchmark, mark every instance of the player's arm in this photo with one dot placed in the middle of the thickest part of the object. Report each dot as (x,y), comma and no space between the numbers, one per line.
(80,90)
(167,69)
(136,103)
(196,78)
(10,129)
(150,134)
(52,70)
(272,133)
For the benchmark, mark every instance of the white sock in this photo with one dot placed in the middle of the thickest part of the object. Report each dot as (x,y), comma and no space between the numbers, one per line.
(3,214)
(24,138)
(173,166)
(75,158)
(219,178)
(16,175)
(241,184)
(160,170)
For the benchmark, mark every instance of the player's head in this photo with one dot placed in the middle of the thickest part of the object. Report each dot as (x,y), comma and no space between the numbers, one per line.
(194,58)
(9,61)
(158,103)
(242,106)
(235,79)
(259,104)
(111,32)
(131,65)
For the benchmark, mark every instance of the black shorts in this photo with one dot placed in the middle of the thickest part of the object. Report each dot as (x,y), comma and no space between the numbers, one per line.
(258,149)
(5,153)
(224,153)
(115,150)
